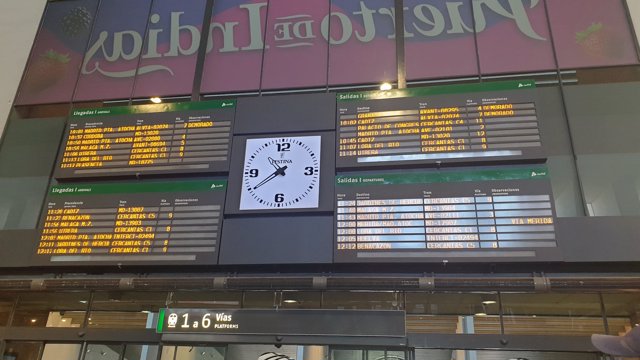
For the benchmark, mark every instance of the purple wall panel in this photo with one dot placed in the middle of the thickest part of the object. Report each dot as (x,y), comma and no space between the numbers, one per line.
(52,70)
(234,53)
(169,57)
(110,64)
(296,54)
(590,33)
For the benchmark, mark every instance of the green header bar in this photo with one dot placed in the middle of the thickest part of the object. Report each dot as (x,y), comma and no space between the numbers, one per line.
(138,187)
(437,90)
(444,176)
(154,108)
(161,315)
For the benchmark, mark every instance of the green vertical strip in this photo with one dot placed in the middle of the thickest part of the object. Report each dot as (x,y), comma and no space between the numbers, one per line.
(160,320)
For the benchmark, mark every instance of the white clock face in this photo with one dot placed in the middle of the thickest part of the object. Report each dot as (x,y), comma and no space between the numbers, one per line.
(281,173)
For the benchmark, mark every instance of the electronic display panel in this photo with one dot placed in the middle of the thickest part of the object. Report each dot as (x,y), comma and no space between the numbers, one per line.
(423,216)
(180,138)
(437,125)
(132,223)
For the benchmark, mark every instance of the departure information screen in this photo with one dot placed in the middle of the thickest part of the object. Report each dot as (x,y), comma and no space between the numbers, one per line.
(458,123)
(147,139)
(409,216)
(151,222)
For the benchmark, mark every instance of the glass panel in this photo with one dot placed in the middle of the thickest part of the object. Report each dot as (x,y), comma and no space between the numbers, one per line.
(301,300)
(259,300)
(557,144)
(206,300)
(6,306)
(439,39)
(361,300)
(623,312)
(110,64)
(168,352)
(530,355)
(103,352)
(513,37)
(126,309)
(57,52)
(596,35)
(141,352)
(362,45)
(234,51)
(452,313)
(271,352)
(552,314)
(339,354)
(171,49)
(200,353)
(433,354)
(605,130)
(61,352)
(17,350)
(296,54)
(51,309)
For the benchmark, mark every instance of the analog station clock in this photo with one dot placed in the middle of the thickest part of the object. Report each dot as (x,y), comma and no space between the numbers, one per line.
(281,173)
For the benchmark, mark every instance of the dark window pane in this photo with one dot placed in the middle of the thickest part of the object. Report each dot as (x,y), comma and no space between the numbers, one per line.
(200,353)
(141,352)
(18,350)
(362,300)
(51,309)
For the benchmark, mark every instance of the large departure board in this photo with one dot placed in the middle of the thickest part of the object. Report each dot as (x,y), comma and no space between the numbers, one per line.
(132,223)
(444,214)
(147,139)
(437,125)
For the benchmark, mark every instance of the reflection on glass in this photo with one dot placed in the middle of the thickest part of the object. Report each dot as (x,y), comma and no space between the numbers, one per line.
(474,313)
(366,300)
(199,353)
(51,309)
(623,312)
(102,352)
(126,309)
(206,300)
(61,352)
(19,350)
(141,352)
(552,314)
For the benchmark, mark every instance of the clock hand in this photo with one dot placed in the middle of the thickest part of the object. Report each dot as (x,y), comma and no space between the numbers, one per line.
(279,171)
(273,162)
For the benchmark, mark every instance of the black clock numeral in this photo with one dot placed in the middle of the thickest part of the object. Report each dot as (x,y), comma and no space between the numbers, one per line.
(283,146)
(279,198)
(253,173)
(308,170)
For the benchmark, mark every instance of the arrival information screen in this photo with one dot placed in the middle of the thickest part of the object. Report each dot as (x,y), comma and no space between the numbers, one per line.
(410,216)
(177,222)
(184,138)
(459,123)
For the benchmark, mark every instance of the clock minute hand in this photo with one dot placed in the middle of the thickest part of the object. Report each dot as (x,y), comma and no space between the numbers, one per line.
(280,171)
